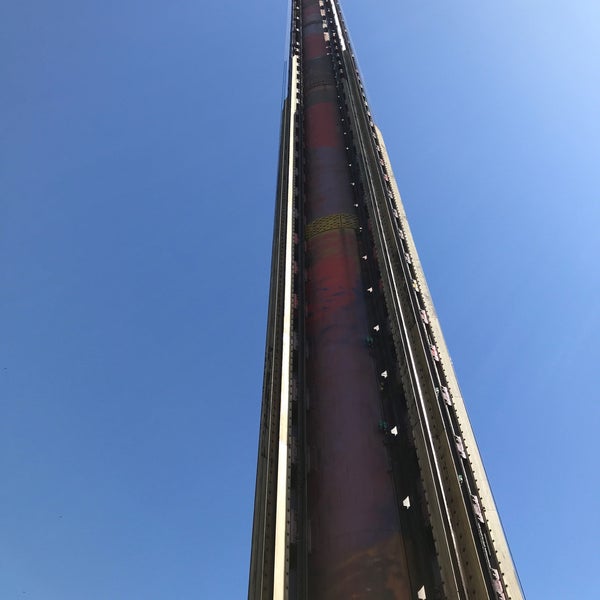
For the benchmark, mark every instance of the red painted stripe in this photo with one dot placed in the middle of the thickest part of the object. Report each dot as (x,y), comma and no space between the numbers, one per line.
(314,45)
(322,129)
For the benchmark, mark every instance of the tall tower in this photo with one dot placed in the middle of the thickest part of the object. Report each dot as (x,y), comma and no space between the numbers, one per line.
(369,481)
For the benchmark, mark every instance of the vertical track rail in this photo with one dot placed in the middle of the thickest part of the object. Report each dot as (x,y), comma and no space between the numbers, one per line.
(273,524)
(479,529)
(283,460)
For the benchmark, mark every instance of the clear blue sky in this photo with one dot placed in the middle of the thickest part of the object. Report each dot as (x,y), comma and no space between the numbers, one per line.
(138,146)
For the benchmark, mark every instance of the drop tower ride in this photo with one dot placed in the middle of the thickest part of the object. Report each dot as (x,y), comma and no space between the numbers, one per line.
(369,481)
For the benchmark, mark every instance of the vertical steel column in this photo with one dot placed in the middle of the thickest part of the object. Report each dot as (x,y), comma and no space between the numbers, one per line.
(356,547)
(272,532)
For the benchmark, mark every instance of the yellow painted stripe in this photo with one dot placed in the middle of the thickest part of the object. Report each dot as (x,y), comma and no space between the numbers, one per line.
(330,222)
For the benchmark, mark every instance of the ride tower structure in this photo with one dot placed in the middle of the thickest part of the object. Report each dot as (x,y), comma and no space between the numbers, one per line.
(369,481)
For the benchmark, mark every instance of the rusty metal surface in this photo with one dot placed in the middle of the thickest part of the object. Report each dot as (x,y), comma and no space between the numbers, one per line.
(356,547)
